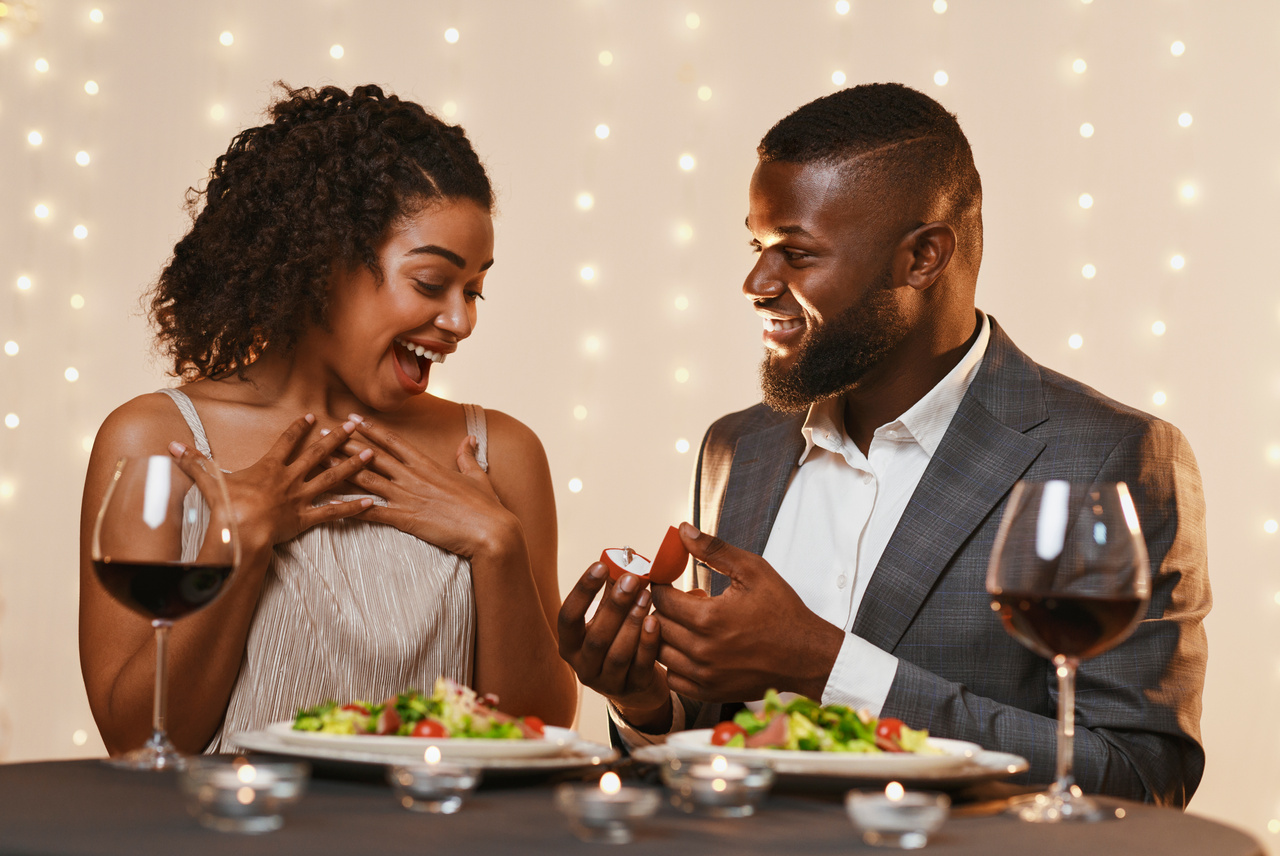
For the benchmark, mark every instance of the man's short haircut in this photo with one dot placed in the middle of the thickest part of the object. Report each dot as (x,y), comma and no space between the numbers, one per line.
(907,139)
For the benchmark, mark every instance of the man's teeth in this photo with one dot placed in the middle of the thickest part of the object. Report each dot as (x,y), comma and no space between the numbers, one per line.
(420,351)
(774,325)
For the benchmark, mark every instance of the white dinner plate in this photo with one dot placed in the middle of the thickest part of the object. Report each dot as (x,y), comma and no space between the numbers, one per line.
(555,741)
(960,762)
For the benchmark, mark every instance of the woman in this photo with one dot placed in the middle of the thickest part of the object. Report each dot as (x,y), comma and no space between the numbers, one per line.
(389,536)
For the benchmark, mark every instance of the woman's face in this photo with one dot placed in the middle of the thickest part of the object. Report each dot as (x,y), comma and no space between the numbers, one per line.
(383,337)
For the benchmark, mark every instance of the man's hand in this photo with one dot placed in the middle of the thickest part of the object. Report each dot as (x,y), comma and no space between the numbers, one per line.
(757,635)
(615,653)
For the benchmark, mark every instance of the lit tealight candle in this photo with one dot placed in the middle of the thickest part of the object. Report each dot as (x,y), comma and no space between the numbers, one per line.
(604,813)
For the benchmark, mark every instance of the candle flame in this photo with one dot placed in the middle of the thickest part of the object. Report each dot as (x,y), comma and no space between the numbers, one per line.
(719,764)
(610,783)
(432,755)
(246,773)
(894,791)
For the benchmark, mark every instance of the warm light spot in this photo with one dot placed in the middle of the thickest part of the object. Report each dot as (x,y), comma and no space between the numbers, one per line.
(610,783)
(1061,671)
(11,420)
(1079,66)
(244,795)
(687,162)
(82,158)
(226,38)
(1088,271)
(1086,201)
(586,201)
(602,131)
(86,443)
(704,93)
(682,445)
(77,301)
(7,490)
(1157,328)
(1075,341)
(719,764)
(682,375)
(217,112)
(605,58)
(95,15)
(246,773)
(895,791)
(35,138)
(587,273)
(24,283)
(91,87)
(11,348)
(336,51)
(1177,262)
(1184,119)
(1086,130)
(450,108)
(79,737)
(432,755)
(592,345)
(80,232)
(940,77)
(579,413)
(1159,398)
(842,7)
(1273,454)
(1188,191)
(718,785)
(71,374)
(1270,527)
(838,78)
(42,65)
(575,485)
(692,21)
(684,233)
(682,302)
(1177,48)
(226,536)
(42,211)
(1277,600)
(940,6)
(1273,826)
(451,36)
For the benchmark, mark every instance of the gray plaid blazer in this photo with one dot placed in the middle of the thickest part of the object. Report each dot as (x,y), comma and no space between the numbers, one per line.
(960,674)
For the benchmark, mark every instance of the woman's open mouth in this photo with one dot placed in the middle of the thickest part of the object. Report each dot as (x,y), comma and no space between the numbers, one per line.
(414,363)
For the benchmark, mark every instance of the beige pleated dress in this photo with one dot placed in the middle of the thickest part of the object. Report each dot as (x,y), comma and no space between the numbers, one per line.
(349,610)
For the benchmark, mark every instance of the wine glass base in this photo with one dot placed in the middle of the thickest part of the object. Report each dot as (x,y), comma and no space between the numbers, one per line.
(1055,807)
(153,755)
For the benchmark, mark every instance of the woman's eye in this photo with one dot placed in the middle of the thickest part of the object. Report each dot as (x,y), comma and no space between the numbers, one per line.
(428,287)
(473,296)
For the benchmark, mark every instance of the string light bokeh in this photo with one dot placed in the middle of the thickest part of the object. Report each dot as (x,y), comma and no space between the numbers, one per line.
(1128,174)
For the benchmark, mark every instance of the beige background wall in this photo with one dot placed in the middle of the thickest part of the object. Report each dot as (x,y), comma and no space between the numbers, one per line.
(526,80)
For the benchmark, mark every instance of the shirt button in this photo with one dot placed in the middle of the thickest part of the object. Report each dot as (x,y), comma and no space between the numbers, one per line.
(841,580)
(867,478)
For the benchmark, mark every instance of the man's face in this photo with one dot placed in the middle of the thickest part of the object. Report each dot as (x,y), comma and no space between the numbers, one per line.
(823,282)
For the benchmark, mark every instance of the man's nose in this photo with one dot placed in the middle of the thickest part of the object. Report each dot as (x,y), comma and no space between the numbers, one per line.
(762,282)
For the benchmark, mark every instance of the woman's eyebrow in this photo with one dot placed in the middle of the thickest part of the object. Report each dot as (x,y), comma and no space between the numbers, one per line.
(450,255)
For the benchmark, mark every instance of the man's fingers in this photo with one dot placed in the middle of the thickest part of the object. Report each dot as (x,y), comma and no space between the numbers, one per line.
(681,607)
(571,624)
(621,654)
(650,641)
(737,564)
(610,615)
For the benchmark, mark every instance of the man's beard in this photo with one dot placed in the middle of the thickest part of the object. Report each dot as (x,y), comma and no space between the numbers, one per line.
(832,359)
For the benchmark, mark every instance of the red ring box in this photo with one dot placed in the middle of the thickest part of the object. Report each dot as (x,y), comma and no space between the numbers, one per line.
(667,565)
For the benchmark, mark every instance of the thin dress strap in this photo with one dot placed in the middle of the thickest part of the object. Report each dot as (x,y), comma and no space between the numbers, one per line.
(188,411)
(478,428)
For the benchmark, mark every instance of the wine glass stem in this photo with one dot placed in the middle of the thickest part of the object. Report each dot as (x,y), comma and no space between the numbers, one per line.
(159,707)
(1066,667)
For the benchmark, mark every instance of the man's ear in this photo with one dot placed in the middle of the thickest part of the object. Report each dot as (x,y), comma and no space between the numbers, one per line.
(924,254)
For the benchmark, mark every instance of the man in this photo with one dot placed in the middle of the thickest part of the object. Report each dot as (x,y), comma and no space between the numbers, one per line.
(854,511)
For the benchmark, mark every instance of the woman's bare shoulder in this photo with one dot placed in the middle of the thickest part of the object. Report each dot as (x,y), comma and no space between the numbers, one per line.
(509,437)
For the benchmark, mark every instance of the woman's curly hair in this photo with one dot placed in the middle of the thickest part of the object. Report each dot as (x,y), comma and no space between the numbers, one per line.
(313,191)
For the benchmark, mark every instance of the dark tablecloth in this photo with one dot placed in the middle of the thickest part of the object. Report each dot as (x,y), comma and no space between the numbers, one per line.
(85,807)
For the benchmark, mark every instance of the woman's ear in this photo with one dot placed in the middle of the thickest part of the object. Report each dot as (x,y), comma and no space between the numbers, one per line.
(926,251)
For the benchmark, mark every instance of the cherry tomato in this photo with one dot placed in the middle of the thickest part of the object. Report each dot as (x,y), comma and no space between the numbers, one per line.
(890,729)
(358,708)
(535,724)
(724,732)
(429,728)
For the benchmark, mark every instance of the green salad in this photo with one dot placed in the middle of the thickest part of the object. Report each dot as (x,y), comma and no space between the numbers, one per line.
(803,724)
(450,710)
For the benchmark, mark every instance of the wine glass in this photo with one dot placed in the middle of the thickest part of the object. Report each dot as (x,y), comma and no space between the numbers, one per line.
(164,545)
(1069,577)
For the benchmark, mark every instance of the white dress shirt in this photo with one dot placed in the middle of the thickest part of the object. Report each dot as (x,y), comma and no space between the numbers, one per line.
(837,516)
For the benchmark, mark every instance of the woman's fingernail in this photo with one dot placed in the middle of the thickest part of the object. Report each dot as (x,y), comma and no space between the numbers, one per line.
(177,449)
(355,417)
(324,432)
(333,462)
(366,502)
(348,426)
(311,418)
(366,454)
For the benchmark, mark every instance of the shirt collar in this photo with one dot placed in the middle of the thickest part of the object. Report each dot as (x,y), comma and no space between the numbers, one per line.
(925,422)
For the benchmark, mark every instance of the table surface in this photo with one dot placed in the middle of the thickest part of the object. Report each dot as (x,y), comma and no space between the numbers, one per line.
(85,807)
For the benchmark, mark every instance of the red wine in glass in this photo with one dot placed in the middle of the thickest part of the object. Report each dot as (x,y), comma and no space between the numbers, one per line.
(1069,578)
(164,590)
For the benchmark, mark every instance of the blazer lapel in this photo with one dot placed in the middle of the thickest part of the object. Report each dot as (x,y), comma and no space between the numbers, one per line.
(981,456)
(762,465)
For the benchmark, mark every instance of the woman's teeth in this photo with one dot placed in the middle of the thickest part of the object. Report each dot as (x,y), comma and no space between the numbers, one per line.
(420,351)
(774,325)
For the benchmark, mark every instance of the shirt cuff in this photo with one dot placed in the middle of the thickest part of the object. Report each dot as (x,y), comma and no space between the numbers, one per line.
(632,737)
(861,676)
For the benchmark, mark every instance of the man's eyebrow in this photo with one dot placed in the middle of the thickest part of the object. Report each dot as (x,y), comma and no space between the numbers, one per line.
(449,255)
(783,231)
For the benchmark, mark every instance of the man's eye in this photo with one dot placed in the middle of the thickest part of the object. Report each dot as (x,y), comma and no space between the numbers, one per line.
(795,255)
